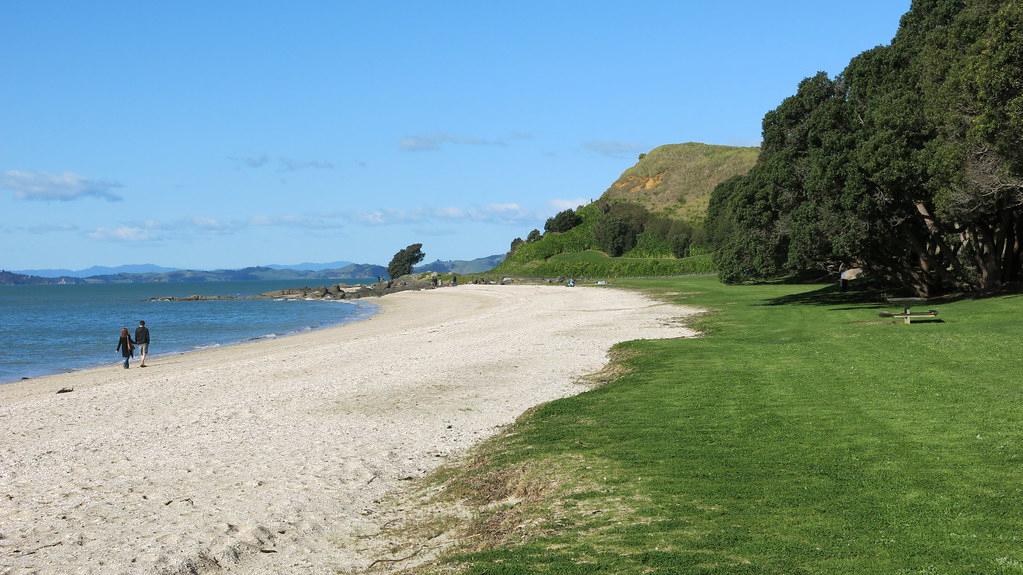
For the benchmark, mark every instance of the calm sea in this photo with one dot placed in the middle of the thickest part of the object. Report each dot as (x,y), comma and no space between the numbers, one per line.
(52,329)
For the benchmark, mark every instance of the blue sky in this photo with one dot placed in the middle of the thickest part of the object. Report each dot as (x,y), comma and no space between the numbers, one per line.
(222,134)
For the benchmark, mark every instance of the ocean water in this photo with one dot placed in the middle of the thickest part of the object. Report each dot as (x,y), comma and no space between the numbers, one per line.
(53,329)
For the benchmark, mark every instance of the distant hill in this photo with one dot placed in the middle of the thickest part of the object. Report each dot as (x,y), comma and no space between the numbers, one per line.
(12,278)
(310,266)
(258,273)
(262,273)
(478,265)
(97,271)
(360,271)
(677,179)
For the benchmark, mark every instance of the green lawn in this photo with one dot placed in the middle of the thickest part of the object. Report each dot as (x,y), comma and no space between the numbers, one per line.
(800,434)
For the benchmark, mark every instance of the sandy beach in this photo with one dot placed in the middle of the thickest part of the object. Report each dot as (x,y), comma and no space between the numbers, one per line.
(272,456)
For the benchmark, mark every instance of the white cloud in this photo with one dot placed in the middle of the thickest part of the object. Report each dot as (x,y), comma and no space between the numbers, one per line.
(613,148)
(250,161)
(571,204)
(433,142)
(284,163)
(504,208)
(123,234)
(206,226)
(299,221)
(453,213)
(500,213)
(64,187)
(293,165)
(418,144)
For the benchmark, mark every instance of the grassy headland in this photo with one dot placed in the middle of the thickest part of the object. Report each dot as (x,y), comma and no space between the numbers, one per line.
(677,179)
(800,434)
(650,219)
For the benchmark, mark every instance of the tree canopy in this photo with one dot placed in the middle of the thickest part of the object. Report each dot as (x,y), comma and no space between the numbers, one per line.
(402,262)
(562,221)
(908,164)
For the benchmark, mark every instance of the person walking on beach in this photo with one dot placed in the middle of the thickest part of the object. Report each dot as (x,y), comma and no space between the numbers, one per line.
(142,340)
(125,345)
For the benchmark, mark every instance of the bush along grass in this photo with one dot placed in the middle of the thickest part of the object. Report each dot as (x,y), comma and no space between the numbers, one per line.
(800,433)
(594,264)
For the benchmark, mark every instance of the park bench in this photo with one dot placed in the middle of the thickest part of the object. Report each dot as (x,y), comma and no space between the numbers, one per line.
(907,315)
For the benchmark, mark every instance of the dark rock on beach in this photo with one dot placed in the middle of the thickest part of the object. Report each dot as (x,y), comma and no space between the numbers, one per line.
(421,281)
(428,280)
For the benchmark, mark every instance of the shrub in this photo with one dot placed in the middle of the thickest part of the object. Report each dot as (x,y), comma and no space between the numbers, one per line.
(402,262)
(562,221)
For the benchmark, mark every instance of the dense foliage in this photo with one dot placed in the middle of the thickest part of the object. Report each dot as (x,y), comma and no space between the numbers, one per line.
(402,262)
(908,164)
(612,239)
(562,221)
(625,227)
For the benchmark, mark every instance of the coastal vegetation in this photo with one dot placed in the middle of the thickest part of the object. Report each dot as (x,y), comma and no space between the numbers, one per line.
(402,262)
(908,164)
(649,222)
(800,433)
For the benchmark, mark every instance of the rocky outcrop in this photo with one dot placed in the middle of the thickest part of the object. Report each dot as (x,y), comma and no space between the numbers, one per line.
(421,281)
(195,297)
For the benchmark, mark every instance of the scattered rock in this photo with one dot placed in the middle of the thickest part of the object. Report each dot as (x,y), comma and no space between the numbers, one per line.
(194,297)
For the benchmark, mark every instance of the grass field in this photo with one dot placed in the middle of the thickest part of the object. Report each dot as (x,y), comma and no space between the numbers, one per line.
(800,434)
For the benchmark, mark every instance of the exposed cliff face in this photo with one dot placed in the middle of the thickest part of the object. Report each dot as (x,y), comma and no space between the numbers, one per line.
(677,179)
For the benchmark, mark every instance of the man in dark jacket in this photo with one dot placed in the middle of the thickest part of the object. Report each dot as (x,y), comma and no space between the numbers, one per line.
(142,341)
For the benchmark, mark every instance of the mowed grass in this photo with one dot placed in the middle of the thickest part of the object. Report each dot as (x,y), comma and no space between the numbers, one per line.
(800,434)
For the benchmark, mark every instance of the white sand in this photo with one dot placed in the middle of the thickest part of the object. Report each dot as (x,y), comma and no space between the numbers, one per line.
(269,457)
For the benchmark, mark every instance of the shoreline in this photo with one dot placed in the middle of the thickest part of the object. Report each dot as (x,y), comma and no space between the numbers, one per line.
(274,455)
(373,305)
(50,379)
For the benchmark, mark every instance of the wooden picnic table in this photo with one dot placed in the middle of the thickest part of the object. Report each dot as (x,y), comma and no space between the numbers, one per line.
(907,303)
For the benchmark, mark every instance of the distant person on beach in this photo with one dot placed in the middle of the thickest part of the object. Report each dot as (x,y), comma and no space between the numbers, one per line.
(142,340)
(126,346)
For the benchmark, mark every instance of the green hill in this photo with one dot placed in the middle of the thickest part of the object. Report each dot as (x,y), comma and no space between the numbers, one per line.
(677,179)
(657,207)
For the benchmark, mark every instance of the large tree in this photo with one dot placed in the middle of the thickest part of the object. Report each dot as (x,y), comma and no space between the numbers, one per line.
(909,163)
(402,262)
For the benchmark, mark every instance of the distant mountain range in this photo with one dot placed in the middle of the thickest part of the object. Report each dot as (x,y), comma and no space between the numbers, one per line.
(350,271)
(149,273)
(310,266)
(478,265)
(96,271)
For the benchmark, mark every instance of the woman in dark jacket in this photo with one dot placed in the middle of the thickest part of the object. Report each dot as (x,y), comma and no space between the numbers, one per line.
(126,346)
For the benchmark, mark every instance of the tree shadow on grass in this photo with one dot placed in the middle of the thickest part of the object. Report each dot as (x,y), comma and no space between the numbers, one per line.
(862,298)
(833,296)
